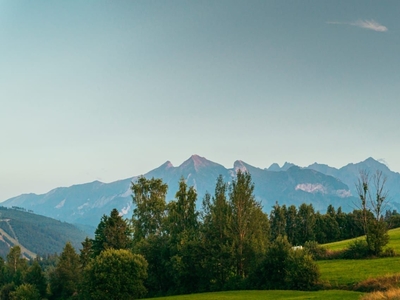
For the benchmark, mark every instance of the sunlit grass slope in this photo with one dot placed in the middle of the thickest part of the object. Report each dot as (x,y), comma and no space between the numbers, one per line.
(246,295)
(394,241)
(345,273)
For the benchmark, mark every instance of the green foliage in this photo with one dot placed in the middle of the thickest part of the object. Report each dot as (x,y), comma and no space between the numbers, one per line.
(39,234)
(15,265)
(149,199)
(35,277)
(6,291)
(249,225)
(26,291)
(301,271)
(217,259)
(278,221)
(115,274)
(357,249)
(65,278)
(377,236)
(315,250)
(285,268)
(112,232)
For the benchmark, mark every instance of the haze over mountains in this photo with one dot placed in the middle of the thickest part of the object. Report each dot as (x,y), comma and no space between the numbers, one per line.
(318,184)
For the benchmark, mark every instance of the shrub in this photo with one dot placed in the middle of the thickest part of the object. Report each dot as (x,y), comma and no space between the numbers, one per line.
(285,268)
(388,252)
(382,283)
(301,271)
(315,250)
(357,249)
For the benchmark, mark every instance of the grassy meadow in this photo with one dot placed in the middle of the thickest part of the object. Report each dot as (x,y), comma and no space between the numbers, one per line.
(345,273)
(394,241)
(336,274)
(244,295)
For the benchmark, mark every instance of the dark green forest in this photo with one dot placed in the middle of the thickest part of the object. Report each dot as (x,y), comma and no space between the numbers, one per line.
(40,234)
(172,248)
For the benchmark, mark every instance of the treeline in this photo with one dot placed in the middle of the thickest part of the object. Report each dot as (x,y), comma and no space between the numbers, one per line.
(171,248)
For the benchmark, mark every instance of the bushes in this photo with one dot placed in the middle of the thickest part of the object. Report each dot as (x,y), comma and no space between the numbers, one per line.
(356,250)
(382,283)
(285,268)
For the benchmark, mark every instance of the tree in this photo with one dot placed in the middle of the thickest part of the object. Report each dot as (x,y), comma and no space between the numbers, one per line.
(291,225)
(149,199)
(183,216)
(277,220)
(306,223)
(217,241)
(374,228)
(65,278)
(15,264)
(183,228)
(36,278)
(249,225)
(115,274)
(112,233)
(285,268)
(86,253)
(26,291)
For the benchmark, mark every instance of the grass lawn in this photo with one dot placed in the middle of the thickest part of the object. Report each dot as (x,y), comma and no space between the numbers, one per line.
(244,295)
(394,241)
(347,272)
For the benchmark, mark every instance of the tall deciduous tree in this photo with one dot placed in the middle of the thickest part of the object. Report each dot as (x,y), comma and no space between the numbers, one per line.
(183,226)
(149,199)
(373,197)
(249,225)
(15,264)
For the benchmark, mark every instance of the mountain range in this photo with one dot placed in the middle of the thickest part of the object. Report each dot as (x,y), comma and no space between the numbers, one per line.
(319,184)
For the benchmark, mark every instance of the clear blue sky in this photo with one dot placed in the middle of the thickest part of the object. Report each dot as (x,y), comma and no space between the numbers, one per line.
(105,90)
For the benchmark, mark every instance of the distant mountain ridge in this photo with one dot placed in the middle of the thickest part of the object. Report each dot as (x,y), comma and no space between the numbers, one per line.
(318,184)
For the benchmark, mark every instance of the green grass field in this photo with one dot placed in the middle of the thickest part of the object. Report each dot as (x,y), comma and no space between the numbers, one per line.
(244,295)
(345,273)
(394,241)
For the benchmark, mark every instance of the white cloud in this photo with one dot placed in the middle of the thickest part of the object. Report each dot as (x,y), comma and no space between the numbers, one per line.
(372,25)
(366,24)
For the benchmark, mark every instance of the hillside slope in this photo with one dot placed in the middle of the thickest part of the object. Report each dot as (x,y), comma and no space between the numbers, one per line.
(35,234)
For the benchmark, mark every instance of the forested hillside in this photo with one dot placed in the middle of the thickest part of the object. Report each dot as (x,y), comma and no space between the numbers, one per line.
(36,234)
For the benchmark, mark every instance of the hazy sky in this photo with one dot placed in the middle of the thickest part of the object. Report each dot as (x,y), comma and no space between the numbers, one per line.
(106,90)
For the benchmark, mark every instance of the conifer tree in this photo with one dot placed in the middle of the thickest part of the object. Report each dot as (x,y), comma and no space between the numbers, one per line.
(65,278)
(112,233)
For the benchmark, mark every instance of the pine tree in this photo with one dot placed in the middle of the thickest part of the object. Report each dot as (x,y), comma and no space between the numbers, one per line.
(65,278)
(112,233)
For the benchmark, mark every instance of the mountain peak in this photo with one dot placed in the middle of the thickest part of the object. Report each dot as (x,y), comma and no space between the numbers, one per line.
(287,166)
(240,165)
(274,167)
(197,162)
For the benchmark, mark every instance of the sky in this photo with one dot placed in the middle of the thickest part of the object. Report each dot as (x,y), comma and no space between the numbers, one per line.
(107,90)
